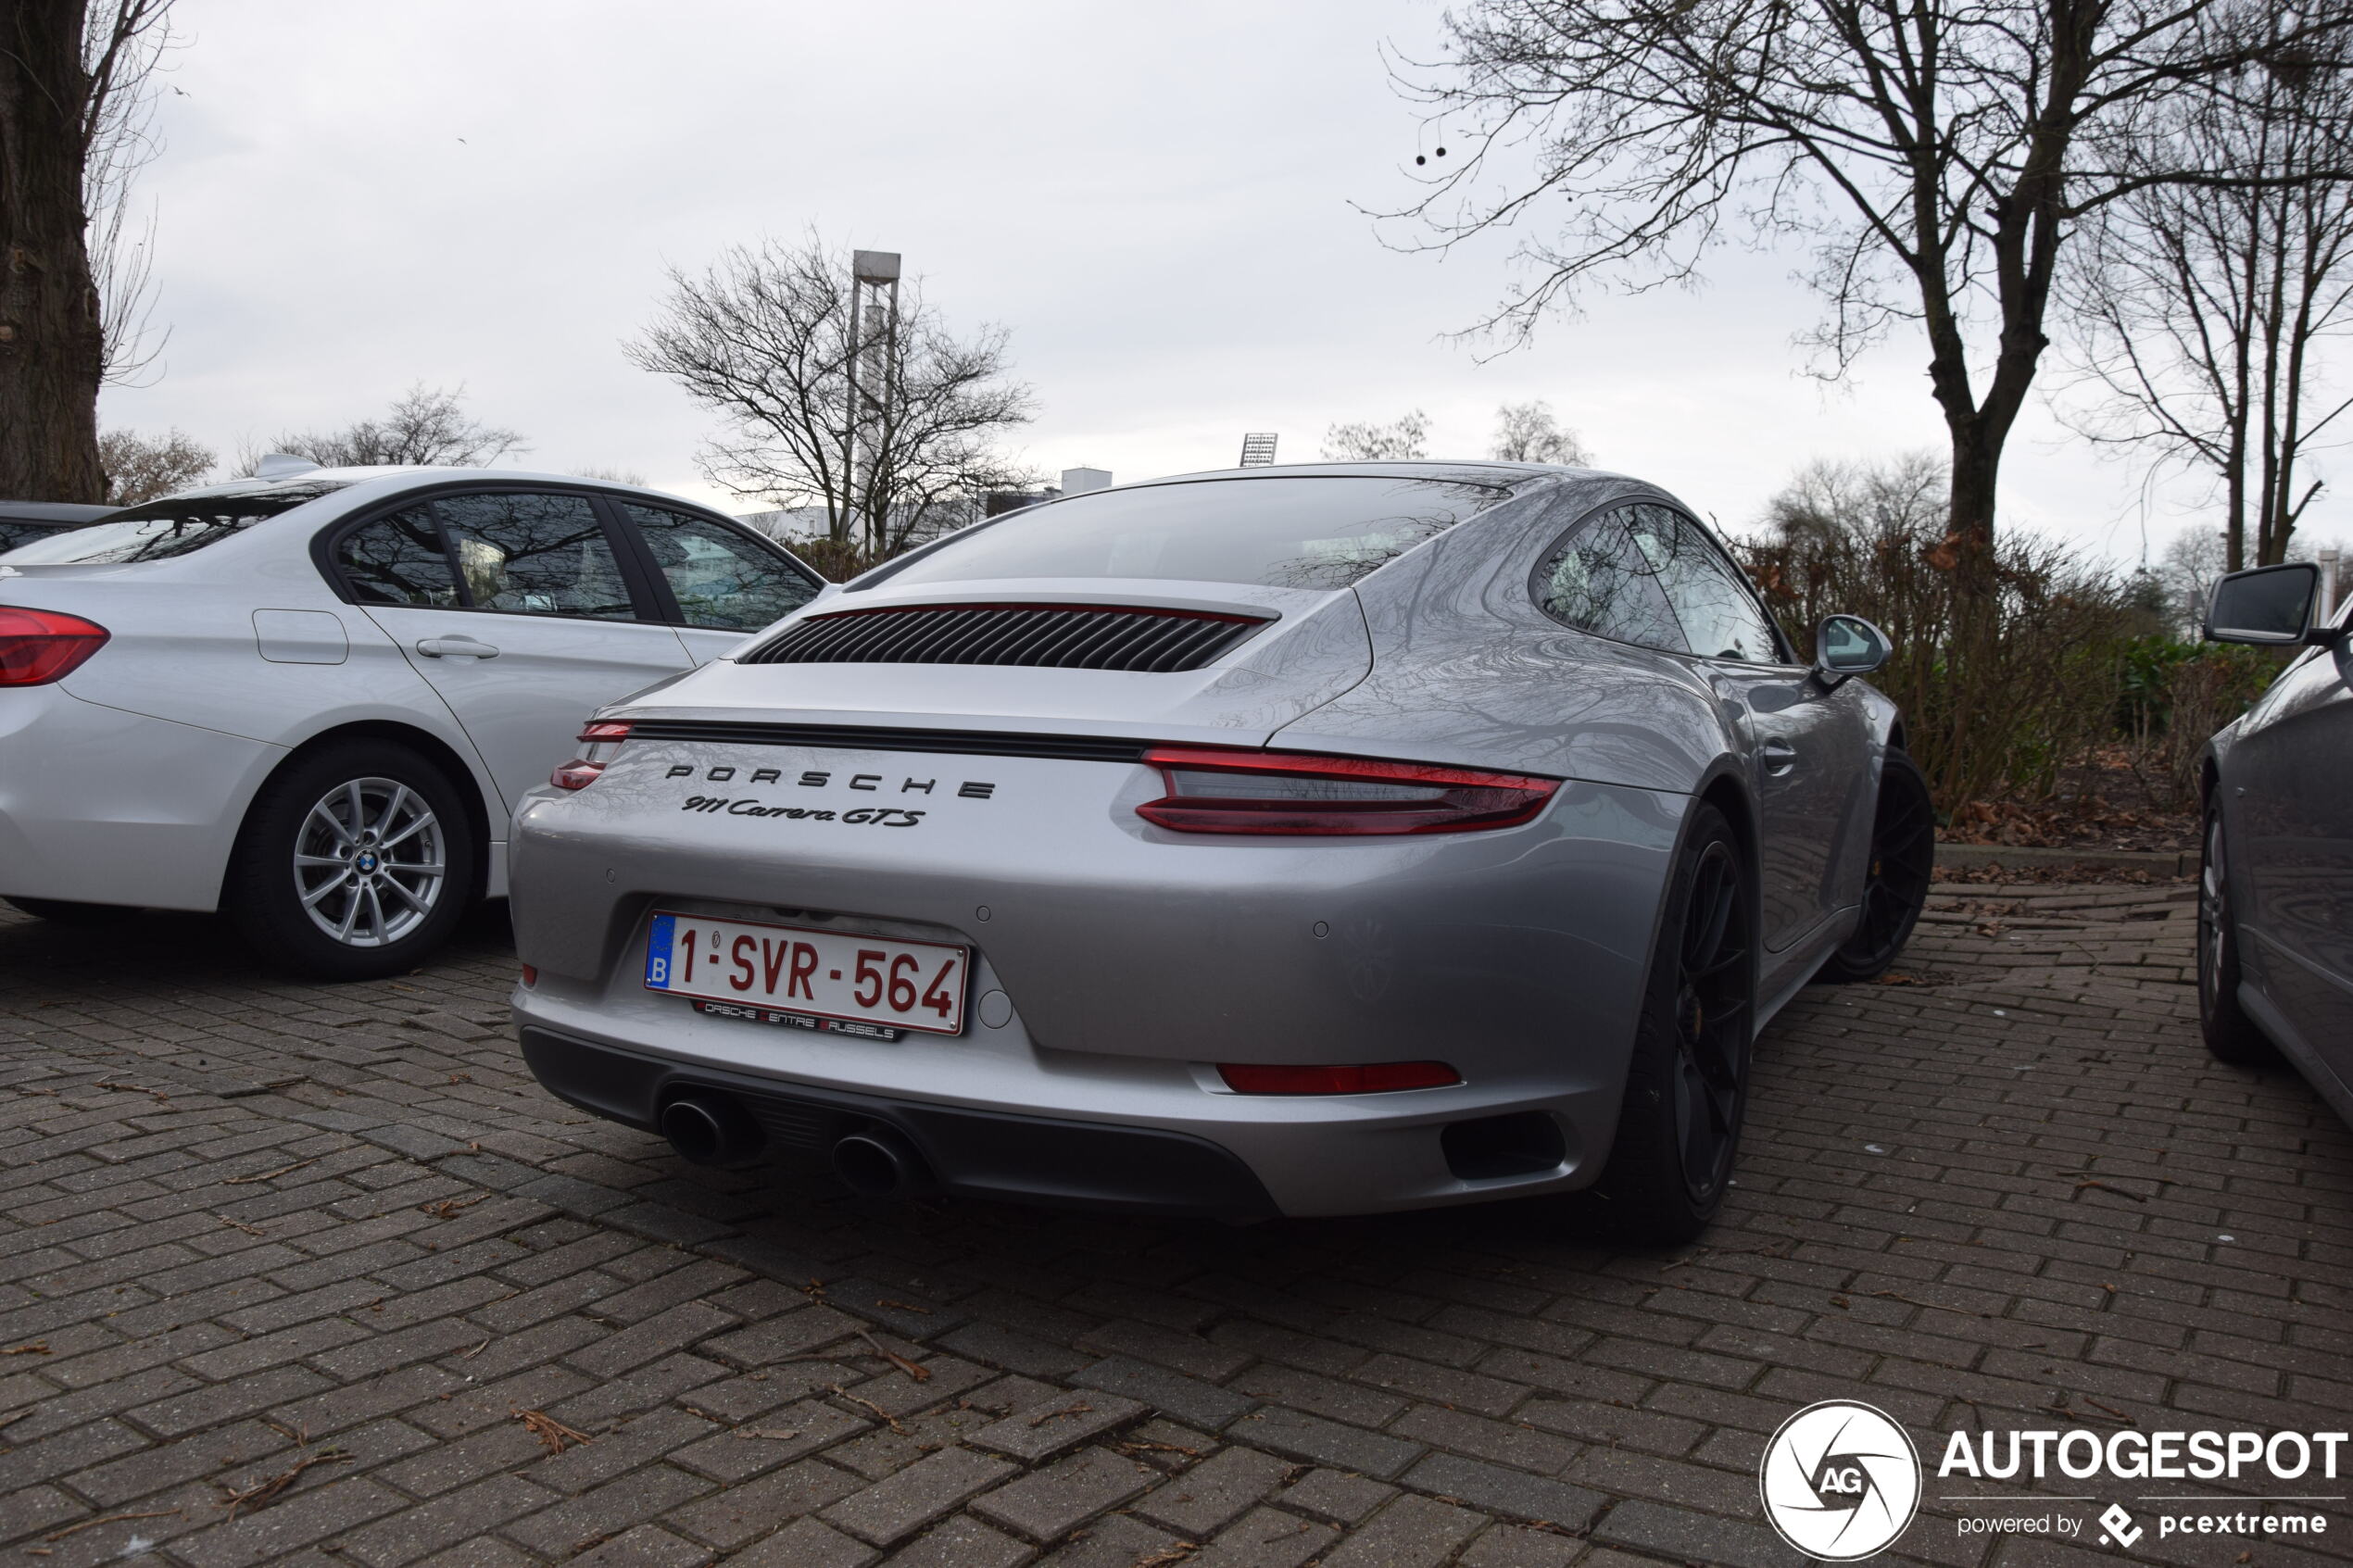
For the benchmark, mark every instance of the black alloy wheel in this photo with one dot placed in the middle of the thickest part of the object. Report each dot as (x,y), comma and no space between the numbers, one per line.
(1711,1023)
(1687,1080)
(1895,882)
(2231,1035)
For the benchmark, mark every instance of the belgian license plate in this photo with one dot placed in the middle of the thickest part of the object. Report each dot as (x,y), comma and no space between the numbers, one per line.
(837,983)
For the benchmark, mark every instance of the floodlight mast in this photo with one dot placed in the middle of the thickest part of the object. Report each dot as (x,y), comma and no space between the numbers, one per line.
(874,328)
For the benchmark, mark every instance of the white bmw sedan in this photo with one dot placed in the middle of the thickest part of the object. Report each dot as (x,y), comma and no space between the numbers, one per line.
(310,699)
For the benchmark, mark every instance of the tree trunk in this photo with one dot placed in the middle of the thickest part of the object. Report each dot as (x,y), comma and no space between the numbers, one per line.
(52,345)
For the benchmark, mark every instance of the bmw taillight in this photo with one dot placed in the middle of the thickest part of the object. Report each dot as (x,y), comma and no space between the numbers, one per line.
(600,744)
(40,645)
(1212,790)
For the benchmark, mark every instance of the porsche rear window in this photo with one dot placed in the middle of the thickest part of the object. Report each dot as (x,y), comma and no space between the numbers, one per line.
(158,530)
(1320,531)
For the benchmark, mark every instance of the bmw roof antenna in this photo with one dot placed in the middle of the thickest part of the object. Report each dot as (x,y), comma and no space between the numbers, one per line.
(282,465)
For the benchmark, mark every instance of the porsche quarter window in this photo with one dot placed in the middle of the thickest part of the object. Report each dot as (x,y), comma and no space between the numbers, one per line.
(1720,617)
(1301,532)
(720,580)
(398,559)
(1597,582)
(158,530)
(534,555)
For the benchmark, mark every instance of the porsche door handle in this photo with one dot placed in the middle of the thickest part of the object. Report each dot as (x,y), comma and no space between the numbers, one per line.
(461,647)
(1778,756)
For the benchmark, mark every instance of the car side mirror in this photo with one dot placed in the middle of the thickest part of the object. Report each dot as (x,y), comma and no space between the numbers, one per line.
(2271,605)
(1848,646)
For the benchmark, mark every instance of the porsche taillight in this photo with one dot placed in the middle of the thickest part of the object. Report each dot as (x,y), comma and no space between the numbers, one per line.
(600,744)
(40,645)
(1214,790)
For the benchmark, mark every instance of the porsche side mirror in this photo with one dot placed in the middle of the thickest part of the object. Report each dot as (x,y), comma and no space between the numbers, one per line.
(1848,646)
(2269,605)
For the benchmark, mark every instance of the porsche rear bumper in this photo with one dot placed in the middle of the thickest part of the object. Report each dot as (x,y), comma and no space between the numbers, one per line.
(1114,965)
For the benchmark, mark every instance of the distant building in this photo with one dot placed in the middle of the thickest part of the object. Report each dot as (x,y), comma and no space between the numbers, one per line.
(1076,482)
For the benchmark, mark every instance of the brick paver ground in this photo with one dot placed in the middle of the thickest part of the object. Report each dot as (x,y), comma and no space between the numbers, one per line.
(310,1273)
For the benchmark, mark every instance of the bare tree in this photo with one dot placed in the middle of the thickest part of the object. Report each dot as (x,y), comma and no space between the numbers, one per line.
(1526,433)
(1934,155)
(122,43)
(762,337)
(2204,309)
(610,474)
(1859,537)
(426,427)
(140,467)
(73,82)
(1406,436)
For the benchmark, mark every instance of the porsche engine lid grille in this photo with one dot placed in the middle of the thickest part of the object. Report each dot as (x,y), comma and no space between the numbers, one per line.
(1045,635)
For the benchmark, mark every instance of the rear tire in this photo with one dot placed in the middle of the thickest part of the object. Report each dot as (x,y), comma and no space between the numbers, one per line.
(1896,883)
(1687,1078)
(354,863)
(2231,1035)
(63,911)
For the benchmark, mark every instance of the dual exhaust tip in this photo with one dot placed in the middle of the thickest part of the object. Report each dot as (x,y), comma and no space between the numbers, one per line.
(713,1129)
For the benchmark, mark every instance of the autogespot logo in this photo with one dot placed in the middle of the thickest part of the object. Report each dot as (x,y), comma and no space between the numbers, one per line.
(1841,1480)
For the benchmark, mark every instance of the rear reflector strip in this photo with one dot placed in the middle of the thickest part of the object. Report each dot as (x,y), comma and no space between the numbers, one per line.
(1373,1078)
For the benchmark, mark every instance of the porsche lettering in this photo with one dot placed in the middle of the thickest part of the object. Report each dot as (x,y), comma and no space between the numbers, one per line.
(818,778)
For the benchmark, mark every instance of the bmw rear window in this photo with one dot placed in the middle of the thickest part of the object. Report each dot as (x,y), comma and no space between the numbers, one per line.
(1320,531)
(16,531)
(158,530)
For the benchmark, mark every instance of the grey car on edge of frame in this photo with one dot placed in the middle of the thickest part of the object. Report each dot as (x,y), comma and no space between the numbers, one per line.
(1310,840)
(2275,887)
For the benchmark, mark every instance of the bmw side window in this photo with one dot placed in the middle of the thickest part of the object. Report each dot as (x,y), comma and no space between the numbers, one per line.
(534,555)
(398,560)
(720,580)
(1595,581)
(1720,617)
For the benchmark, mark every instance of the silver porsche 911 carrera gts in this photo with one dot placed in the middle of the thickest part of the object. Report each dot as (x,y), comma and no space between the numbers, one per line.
(1314,840)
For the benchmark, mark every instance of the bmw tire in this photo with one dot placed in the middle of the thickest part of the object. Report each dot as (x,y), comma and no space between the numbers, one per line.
(354,863)
(1687,1079)
(2231,1035)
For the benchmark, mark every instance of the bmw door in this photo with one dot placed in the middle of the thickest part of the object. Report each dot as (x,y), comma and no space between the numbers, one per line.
(527,624)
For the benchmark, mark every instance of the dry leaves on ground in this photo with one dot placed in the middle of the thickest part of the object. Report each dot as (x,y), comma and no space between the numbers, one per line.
(550,1432)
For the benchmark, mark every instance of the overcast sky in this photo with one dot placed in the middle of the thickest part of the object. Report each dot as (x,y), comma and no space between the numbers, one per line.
(1153,198)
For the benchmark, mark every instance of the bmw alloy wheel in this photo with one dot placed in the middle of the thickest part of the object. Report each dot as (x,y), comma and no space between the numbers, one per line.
(370,862)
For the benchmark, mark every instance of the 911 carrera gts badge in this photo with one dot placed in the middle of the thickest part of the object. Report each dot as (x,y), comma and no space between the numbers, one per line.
(878,816)
(819,778)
